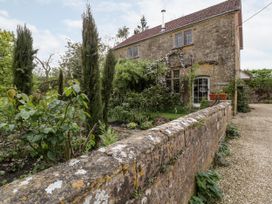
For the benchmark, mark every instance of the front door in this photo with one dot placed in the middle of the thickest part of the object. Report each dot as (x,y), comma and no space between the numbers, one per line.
(201,90)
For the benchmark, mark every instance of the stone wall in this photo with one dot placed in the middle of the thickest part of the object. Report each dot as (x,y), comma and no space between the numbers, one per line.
(155,166)
(214,40)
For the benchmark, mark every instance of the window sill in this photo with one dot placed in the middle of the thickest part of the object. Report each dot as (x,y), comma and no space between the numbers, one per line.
(134,57)
(176,48)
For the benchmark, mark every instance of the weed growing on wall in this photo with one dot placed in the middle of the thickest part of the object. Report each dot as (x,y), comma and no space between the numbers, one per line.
(108,136)
(232,132)
(208,190)
(222,153)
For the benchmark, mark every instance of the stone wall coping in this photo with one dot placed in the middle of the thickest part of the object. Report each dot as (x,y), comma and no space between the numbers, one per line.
(73,180)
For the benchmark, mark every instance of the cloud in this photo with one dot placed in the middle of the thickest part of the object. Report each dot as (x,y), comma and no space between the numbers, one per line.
(73,23)
(43,40)
(4,13)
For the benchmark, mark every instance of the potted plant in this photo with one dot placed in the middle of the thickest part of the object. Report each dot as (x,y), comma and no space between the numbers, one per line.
(218,95)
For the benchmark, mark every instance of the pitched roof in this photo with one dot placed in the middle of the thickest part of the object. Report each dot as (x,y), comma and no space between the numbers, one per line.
(219,9)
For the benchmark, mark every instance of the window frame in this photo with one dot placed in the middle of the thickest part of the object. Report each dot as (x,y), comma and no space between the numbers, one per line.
(208,87)
(176,45)
(132,56)
(184,38)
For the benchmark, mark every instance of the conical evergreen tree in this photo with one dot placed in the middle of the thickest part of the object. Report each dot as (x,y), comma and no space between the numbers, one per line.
(23,60)
(60,84)
(91,75)
(108,74)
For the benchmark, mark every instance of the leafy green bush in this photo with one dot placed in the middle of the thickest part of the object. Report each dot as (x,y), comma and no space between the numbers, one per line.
(204,104)
(261,84)
(138,85)
(196,200)
(137,75)
(243,94)
(232,131)
(207,186)
(220,156)
(108,136)
(49,126)
(132,125)
(146,125)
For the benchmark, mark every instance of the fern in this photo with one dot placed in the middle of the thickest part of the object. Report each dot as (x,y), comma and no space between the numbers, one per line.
(207,186)
(108,136)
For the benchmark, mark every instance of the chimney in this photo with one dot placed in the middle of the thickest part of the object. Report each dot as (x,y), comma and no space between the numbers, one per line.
(163,23)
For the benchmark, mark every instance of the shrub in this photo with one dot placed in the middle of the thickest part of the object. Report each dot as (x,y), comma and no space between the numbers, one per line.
(223,151)
(242,95)
(207,186)
(132,125)
(48,126)
(232,131)
(261,84)
(196,200)
(146,125)
(204,104)
(108,135)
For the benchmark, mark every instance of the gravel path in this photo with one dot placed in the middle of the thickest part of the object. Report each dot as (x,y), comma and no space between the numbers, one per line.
(248,179)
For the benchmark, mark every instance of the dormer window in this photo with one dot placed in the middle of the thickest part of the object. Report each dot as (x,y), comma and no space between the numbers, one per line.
(183,38)
(133,52)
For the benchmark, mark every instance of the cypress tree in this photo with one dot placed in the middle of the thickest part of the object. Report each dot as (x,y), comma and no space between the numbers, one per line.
(108,75)
(60,84)
(23,60)
(91,76)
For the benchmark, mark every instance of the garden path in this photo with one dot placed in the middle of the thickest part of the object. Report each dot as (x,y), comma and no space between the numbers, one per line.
(248,179)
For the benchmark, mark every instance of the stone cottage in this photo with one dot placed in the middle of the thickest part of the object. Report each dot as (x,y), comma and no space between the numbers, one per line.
(211,38)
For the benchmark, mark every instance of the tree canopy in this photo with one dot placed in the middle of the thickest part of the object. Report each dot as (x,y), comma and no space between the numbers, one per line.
(6,48)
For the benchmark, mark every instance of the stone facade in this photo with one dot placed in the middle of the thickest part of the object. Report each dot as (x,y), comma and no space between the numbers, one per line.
(216,48)
(157,166)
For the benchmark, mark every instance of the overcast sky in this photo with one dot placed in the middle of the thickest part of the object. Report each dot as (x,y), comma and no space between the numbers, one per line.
(54,21)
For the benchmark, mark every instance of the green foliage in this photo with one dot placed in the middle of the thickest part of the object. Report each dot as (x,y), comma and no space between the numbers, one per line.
(242,95)
(71,61)
(91,76)
(108,135)
(207,187)
(122,33)
(121,114)
(23,60)
(204,104)
(132,125)
(261,84)
(232,131)
(220,156)
(60,84)
(196,200)
(107,80)
(146,125)
(142,27)
(49,126)
(224,149)
(6,47)
(137,75)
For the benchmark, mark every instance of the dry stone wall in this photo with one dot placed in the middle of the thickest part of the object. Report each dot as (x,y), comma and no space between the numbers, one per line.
(155,166)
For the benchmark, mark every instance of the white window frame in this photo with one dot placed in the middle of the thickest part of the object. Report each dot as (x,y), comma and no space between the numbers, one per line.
(193,94)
